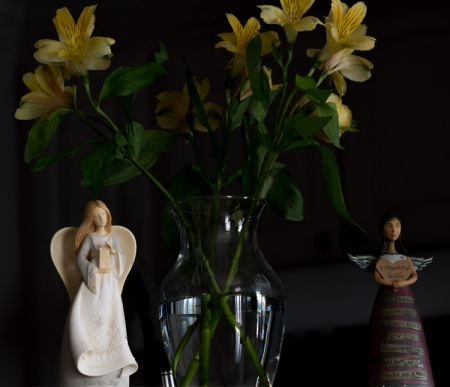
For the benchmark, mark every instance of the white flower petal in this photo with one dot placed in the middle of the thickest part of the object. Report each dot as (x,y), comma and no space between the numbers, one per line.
(271,14)
(49,51)
(306,24)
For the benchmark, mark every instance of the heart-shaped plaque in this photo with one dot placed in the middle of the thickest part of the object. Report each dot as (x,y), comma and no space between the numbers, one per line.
(397,271)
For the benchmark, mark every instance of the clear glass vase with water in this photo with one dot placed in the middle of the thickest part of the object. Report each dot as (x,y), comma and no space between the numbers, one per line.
(223,307)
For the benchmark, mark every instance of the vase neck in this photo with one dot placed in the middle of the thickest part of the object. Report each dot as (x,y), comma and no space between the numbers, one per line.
(215,224)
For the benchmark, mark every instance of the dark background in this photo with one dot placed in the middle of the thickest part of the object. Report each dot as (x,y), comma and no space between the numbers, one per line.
(397,162)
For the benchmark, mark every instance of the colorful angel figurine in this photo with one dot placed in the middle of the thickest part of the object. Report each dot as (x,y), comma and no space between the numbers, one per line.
(398,353)
(95,349)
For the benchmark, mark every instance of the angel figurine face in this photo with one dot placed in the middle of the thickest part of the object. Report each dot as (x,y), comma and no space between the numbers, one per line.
(96,215)
(100,218)
(392,229)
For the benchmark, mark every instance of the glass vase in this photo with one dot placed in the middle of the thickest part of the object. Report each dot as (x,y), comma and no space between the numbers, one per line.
(223,308)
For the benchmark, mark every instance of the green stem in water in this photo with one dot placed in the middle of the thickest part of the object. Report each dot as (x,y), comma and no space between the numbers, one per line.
(222,308)
(205,337)
(191,371)
(245,341)
(183,343)
(213,235)
(209,322)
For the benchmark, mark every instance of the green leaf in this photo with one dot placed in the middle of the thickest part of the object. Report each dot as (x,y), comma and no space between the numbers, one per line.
(40,134)
(137,137)
(258,79)
(331,129)
(288,145)
(264,91)
(284,197)
(198,106)
(186,183)
(251,168)
(128,104)
(201,114)
(95,165)
(238,115)
(277,54)
(253,53)
(319,95)
(161,56)
(333,184)
(120,139)
(127,80)
(305,83)
(47,160)
(154,143)
(257,111)
(304,126)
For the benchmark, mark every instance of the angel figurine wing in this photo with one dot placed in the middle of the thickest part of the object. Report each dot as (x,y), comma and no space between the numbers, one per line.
(65,259)
(364,261)
(420,263)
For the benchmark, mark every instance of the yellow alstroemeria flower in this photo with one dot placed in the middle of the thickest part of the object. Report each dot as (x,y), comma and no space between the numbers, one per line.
(290,17)
(343,65)
(75,49)
(236,41)
(345,118)
(175,109)
(47,94)
(344,30)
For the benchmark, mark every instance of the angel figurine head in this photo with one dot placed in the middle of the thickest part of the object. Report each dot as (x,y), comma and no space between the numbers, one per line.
(95,215)
(391,232)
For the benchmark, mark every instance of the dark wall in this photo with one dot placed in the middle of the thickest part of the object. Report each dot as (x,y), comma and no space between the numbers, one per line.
(397,162)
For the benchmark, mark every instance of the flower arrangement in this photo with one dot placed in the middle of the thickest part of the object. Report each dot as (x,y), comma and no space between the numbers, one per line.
(270,118)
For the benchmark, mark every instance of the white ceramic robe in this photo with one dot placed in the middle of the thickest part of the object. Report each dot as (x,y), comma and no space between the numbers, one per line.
(95,347)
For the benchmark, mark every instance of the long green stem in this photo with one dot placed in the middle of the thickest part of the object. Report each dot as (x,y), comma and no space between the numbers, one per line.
(199,159)
(214,231)
(222,308)
(80,114)
(279,115)
(205,337)
(112,126)
(209,322)
(191,371)
(232,273)
(321,79)
(267,166)
(152,178)
(191,330)
(245,341)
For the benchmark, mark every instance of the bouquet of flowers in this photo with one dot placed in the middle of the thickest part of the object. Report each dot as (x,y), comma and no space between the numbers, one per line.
(268,117)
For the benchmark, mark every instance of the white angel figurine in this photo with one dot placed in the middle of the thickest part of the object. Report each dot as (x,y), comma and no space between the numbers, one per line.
(398,352)
(95,347)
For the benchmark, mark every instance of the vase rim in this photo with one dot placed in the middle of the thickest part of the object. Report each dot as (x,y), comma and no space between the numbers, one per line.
(170,206)
(209,197)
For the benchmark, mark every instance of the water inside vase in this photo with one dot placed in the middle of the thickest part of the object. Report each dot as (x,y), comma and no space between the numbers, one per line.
(259,316)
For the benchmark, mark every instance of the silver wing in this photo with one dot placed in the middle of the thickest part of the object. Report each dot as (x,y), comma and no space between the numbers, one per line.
(364,261)
(420,263)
